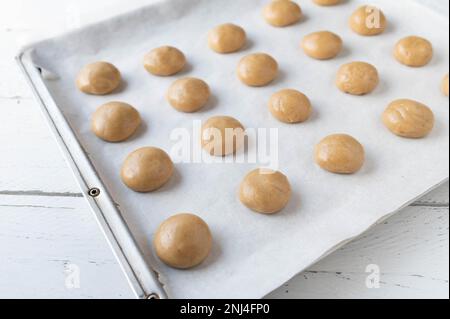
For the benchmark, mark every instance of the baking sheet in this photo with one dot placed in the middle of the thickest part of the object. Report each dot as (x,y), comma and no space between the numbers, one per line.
(254,254)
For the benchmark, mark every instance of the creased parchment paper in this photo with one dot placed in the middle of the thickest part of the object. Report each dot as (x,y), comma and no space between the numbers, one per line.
(254,254)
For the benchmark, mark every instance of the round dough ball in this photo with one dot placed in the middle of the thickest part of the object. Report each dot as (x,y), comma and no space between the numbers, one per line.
(290,106)
(164,61)
(115,121)
(414,51)
(257,69)
(188,94)
(282,13)
(327,2)
(408,118)
(368,21)
(227,38)
(183,241)
(147,169)
(323,45)
(99,78)
(222,135)
(357,78)
(265,191)
(444,85)
(340,154)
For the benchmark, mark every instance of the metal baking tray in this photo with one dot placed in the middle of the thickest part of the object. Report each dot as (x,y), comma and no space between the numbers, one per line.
(143,278)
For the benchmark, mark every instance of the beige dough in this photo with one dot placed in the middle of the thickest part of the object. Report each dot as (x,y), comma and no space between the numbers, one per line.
(99,78)
(414,51)
(222,135)
(164,61)
(408,118)
(368,21)
(357,78)
(265,191)
(282,13)
(327,2)
(323,45)
(227,38)
(340,154)
(147,169)
(257,69)
(290,106)
(188,94)
(115,121)
(183,241)
(444,85)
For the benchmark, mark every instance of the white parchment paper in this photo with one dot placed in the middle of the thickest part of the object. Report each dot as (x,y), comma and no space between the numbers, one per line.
(254,254)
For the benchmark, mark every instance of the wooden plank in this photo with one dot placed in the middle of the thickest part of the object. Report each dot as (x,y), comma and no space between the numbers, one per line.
(438,197)
(31,159)
(411,250)
(43,234)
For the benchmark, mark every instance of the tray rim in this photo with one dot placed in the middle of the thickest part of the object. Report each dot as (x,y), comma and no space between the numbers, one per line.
(142,278)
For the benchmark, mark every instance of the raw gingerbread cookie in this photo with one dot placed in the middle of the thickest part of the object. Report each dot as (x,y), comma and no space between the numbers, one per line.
(164,61)
(115,121)
(98,78)
(222,135)
(147,169)
(282,13)
(408,118)
(368,21)
(444,85)
(188,94)
(257,69)
(327,2)
(290,106)
(322,45)
(265,191)
(227,38)
(340,153)
(414,51)
(357,78)
(183,241)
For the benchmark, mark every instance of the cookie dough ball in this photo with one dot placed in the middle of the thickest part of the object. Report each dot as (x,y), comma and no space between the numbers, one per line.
(408,118)
(257,69)
(282,13)
(357,78)
(290,106)
(323,45)
(414,51)
(222,135)
(183,241)
(147,169)
(368,21)
(99,78)
(164,61)
(188,94)
(340,154)
(115,121)
(444,85)
(227,38)
(265,191)
(327,2)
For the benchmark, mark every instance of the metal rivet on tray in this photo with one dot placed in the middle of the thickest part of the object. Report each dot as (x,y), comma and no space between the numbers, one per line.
(153,296)
(94,192)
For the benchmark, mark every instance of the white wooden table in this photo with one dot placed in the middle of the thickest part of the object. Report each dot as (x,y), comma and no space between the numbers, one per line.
(46,226)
